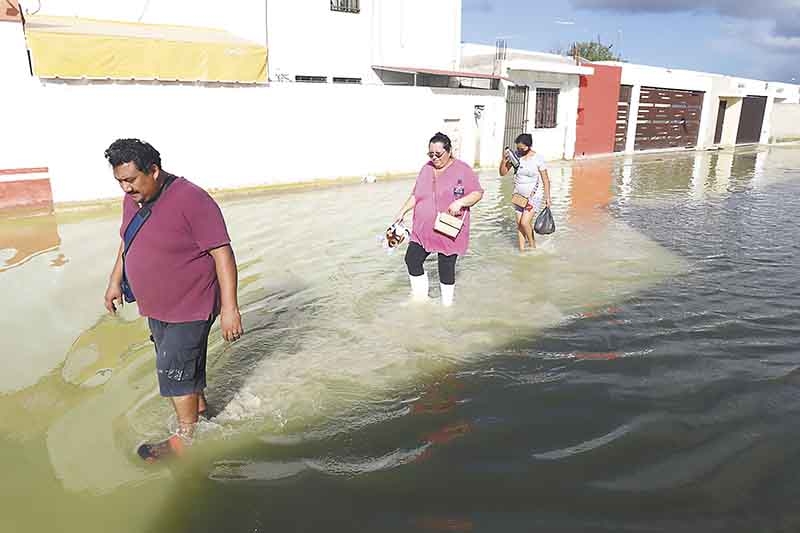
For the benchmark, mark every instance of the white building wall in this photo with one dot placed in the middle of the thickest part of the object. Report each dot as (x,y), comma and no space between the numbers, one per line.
(648,76)
(229,137)
(307,38)
(785,122)
(787,93)
(559,142)
(633,113)
(733,90)
(730,127)
(417,33)
(537,70)
(21,120)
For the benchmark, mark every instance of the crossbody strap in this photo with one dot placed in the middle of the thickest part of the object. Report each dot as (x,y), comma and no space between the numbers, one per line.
(435,190)
(134,226)
(142,215)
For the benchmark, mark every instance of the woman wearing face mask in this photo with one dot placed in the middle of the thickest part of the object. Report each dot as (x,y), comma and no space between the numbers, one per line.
(445,184)
(531,181)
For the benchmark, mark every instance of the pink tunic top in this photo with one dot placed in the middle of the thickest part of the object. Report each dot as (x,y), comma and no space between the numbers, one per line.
(427,206)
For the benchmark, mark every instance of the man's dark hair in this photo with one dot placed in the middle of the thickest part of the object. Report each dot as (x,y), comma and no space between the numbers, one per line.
(442,138)
(524,138)
(140,153)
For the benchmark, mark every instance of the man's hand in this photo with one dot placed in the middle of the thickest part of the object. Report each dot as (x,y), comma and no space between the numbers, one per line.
(231,323)
(114,292)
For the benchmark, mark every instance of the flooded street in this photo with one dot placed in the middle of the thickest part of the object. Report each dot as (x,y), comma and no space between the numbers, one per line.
(637,372)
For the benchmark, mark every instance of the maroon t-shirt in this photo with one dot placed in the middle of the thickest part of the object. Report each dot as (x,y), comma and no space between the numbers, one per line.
(169,269)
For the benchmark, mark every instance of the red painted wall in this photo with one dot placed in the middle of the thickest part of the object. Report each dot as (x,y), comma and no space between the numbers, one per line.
(9,11)
(597,110)
(28,195)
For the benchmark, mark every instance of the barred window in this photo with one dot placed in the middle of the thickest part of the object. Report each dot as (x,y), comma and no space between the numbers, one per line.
(311,79)
(353,81)
(546,108)
(345,6)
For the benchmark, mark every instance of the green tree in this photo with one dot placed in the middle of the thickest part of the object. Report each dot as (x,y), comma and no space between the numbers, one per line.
(593,51)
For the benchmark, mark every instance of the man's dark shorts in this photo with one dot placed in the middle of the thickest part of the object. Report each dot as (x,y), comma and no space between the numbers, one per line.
(180,355)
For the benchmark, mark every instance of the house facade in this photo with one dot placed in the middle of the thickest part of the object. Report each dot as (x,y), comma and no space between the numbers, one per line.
(304,106)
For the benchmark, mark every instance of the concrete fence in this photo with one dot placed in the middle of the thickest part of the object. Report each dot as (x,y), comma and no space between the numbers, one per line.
(785,122)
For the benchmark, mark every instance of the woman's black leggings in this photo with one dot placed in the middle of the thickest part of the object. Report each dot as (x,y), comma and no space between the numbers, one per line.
(416,255)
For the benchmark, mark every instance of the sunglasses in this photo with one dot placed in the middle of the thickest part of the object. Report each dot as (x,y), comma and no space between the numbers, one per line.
(435,155)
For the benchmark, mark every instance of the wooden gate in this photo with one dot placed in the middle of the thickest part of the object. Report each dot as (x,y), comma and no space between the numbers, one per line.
(668,118)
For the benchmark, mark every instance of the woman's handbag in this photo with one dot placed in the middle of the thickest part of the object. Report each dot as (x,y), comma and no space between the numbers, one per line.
(445,223)
(519,200)
(448,224)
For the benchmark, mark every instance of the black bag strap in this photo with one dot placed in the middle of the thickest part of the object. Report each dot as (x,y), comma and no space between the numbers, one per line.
(141,217)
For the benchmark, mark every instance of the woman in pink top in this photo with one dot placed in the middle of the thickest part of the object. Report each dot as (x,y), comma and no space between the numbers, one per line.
(444,185)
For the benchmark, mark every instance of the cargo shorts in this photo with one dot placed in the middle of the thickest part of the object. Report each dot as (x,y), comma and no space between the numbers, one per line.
(181,349)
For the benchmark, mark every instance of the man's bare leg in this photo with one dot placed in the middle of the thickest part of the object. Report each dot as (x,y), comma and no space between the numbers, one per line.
(202,405)
(186,409)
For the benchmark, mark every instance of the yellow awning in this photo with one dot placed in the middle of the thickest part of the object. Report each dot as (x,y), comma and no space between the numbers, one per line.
(64,47)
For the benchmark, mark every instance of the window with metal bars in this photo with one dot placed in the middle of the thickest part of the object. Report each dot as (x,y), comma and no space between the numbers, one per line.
(311,79)
(345,6)
(546,108)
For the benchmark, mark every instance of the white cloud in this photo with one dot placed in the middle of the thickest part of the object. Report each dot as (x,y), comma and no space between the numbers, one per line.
(773,26)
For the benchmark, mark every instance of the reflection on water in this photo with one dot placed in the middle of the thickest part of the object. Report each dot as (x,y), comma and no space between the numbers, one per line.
(340,380)
(22,239)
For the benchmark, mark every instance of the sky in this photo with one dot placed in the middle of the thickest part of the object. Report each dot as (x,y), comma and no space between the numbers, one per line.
(749,38)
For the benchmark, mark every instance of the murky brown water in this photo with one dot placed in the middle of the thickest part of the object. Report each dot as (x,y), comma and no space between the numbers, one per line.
(337,380)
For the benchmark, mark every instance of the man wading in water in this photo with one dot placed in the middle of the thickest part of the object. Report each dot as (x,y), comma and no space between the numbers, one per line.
(180,269)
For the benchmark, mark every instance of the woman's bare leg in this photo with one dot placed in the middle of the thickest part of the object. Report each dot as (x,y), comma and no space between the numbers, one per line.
(520,235)
(526,225)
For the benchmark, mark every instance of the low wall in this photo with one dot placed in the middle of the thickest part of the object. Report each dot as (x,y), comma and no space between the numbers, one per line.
(785,122)
(238,136)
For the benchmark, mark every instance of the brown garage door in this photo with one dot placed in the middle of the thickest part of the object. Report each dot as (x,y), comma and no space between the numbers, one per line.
(751,119)
(668,118)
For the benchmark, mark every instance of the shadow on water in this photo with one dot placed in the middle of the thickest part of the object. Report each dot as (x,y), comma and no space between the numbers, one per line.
(22,239)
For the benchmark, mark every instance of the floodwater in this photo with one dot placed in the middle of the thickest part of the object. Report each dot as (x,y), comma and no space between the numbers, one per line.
(638,372)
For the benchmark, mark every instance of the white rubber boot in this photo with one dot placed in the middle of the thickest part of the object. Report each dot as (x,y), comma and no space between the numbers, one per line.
(419,287)
(448,294)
